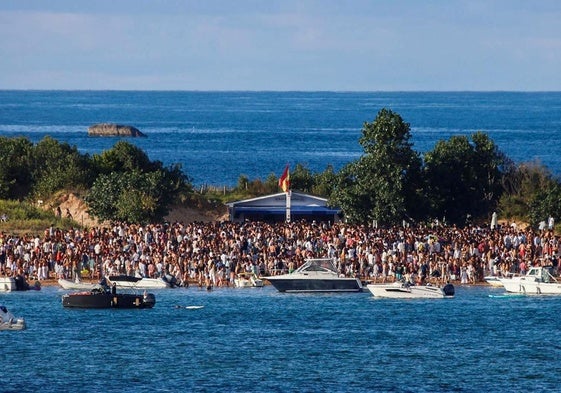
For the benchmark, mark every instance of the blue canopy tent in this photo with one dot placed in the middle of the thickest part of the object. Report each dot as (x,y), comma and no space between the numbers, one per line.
(272,208)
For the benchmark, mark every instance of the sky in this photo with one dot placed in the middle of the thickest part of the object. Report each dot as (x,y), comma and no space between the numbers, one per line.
(281,45)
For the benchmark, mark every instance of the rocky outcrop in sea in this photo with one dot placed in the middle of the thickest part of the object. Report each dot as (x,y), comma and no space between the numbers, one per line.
(110,129)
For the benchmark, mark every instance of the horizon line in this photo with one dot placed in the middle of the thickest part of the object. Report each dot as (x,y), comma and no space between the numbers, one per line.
(283,91)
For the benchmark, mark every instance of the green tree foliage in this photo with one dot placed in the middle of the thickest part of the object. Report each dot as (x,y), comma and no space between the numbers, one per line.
(123,157)
(271,184)
(545,204)
(491,164)
(524,186)
(324,182)
(16,177)
(384,183)
(129,196)
(251,188)
(463,178)
(58,166)
(301,179)
(243,183)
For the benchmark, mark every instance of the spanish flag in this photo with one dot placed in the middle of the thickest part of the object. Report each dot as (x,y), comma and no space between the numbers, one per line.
(284,181)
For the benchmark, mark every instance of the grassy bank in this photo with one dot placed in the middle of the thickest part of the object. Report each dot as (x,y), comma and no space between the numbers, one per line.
(22,217)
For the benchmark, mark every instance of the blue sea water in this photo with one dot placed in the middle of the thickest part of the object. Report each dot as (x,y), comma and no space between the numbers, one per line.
(260,340)
(218,136)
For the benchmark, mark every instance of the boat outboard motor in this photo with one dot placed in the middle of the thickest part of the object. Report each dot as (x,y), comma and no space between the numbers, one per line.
(20,283)
(449,290)
(170,279)
(149,299)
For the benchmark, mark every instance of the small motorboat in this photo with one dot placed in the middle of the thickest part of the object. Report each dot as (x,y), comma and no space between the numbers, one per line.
(537,281)
(17,283)
(405,290)
(247,280)
(103,297)
(8,321)
(316,275)
(124,281)
(76,284)
(494,281)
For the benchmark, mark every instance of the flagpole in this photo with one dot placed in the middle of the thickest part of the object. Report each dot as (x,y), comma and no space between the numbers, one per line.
(288,196)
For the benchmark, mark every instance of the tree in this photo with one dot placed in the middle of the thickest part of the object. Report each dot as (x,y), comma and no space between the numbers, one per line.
(490,166)
(130,197)
(58,166)
(383,184)
(545,204)
(463,179)
(324,182)
(16,177)
(123,157)
(301,178)
(271,184)
(521,185)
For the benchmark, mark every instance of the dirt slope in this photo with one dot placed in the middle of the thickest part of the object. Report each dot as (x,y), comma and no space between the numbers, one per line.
(76,206)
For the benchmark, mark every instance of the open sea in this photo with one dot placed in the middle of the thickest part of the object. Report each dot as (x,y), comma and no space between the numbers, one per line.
(259,340)
(218,136)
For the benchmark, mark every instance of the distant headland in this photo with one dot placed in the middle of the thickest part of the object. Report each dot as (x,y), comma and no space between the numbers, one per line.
(110,129)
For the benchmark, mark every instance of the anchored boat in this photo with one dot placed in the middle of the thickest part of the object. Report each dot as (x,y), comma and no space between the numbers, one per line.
(101,297)
(315,275)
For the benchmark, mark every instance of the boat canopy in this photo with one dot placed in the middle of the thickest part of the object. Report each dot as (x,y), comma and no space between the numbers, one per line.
(318,265)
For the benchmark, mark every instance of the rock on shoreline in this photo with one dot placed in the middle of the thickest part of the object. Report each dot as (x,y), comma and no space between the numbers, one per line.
(110,129)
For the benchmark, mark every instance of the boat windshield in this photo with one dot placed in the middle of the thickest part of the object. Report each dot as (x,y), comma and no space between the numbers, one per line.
(547,276)
(318,265)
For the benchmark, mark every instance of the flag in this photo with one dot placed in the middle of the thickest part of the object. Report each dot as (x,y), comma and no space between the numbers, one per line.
(284,181)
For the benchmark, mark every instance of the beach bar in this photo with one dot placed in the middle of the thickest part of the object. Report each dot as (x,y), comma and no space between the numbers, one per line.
(272,208)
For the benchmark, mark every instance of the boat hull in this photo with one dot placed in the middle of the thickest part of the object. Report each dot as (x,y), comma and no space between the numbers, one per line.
(494,281)
(8,321)
(7,284)
(107,300)
(138,283)
(537,281)
(245,281)
(18,283)
(17,324)
(399,291)
(316,284)
(70,285)
(529,287)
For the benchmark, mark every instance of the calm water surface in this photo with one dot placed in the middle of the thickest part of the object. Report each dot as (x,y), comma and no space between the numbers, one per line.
(259,340)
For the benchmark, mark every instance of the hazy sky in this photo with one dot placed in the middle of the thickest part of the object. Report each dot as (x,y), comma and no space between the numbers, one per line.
(353,45)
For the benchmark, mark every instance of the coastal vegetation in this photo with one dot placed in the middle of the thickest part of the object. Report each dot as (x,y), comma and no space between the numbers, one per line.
(463,179)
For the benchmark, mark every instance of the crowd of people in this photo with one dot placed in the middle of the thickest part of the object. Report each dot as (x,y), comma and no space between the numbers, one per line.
(213,253)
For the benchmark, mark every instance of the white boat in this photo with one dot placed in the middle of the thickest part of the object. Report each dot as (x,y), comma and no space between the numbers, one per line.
(400,290)
(8,321)
(315,275)
(538,280)
(7,284)
(17,283)
(494,281)
(247,280)
(76,284)
(123,281)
